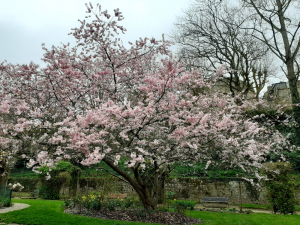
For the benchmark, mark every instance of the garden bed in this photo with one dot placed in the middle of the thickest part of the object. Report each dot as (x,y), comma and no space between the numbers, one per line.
(136,215)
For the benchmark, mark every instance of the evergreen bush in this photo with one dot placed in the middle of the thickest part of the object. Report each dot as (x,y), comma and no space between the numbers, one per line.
(46,192)
(281,185)
(62,174)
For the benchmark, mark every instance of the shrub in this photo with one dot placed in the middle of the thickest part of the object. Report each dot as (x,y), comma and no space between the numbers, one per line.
(128,203)
(46,192)
(5,202)
(141,213)
(281,186)
(181,207)
(232,210)
(63,173)
(122,203)
(132,202)
(104,185)
(248,211)
(77,200)
(91,202)
(170,195)
(68,203)
(110,205)
(163,209)
(94,201)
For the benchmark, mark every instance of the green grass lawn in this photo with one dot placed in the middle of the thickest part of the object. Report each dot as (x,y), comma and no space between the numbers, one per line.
(256,206)
(267,207)
(46,212)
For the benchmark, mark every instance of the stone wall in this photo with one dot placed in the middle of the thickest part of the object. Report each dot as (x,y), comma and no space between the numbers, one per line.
(192,188)
(196,188)
(183,188)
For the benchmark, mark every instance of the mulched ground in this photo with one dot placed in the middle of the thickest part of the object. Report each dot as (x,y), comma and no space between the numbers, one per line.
(137,215)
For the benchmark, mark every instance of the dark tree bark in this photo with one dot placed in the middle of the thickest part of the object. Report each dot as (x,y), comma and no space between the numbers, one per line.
(150,188)
(3,175)
(213,31)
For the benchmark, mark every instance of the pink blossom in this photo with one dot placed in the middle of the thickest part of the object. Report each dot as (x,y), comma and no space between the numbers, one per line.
(205,118)
(4,107)
(100,100)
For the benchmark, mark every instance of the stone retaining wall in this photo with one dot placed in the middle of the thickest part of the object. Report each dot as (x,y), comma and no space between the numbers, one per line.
(193,188)
(183,188)
(196,188)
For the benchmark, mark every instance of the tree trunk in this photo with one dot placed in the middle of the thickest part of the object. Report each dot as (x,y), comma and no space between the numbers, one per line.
(292,82)
(154,194)
(161,189)
(294,94)
(149,188)
(3,178)
(143,190)
(240,192)
(289,61)
(147,199)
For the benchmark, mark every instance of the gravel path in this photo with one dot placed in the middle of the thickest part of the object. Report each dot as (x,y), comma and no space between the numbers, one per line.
(15,206)
(11,224)
(200,207)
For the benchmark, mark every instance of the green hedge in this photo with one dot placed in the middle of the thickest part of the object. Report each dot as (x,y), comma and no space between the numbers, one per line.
(30,184)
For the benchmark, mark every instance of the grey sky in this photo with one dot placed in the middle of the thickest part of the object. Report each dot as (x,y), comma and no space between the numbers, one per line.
(26,24)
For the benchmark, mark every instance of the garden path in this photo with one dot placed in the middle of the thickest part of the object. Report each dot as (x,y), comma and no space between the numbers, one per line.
(200,207)
(10,224)
(15,206)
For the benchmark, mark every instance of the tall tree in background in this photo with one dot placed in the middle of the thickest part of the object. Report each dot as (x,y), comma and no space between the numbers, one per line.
(213,32)
(276,25)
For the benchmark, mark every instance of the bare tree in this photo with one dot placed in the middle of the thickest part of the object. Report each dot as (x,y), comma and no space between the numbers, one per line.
(211,33)
(276,24)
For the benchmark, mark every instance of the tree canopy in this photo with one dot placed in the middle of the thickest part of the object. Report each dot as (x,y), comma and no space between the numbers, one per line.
(139,104)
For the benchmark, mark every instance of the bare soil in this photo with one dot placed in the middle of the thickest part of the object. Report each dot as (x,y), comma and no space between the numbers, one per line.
(136,215)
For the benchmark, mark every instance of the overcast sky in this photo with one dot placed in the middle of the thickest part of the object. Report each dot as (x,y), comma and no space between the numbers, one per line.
(26,24)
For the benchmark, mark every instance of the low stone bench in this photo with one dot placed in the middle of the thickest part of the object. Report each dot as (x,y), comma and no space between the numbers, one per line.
(215,201)
(117,195)
(35,193)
